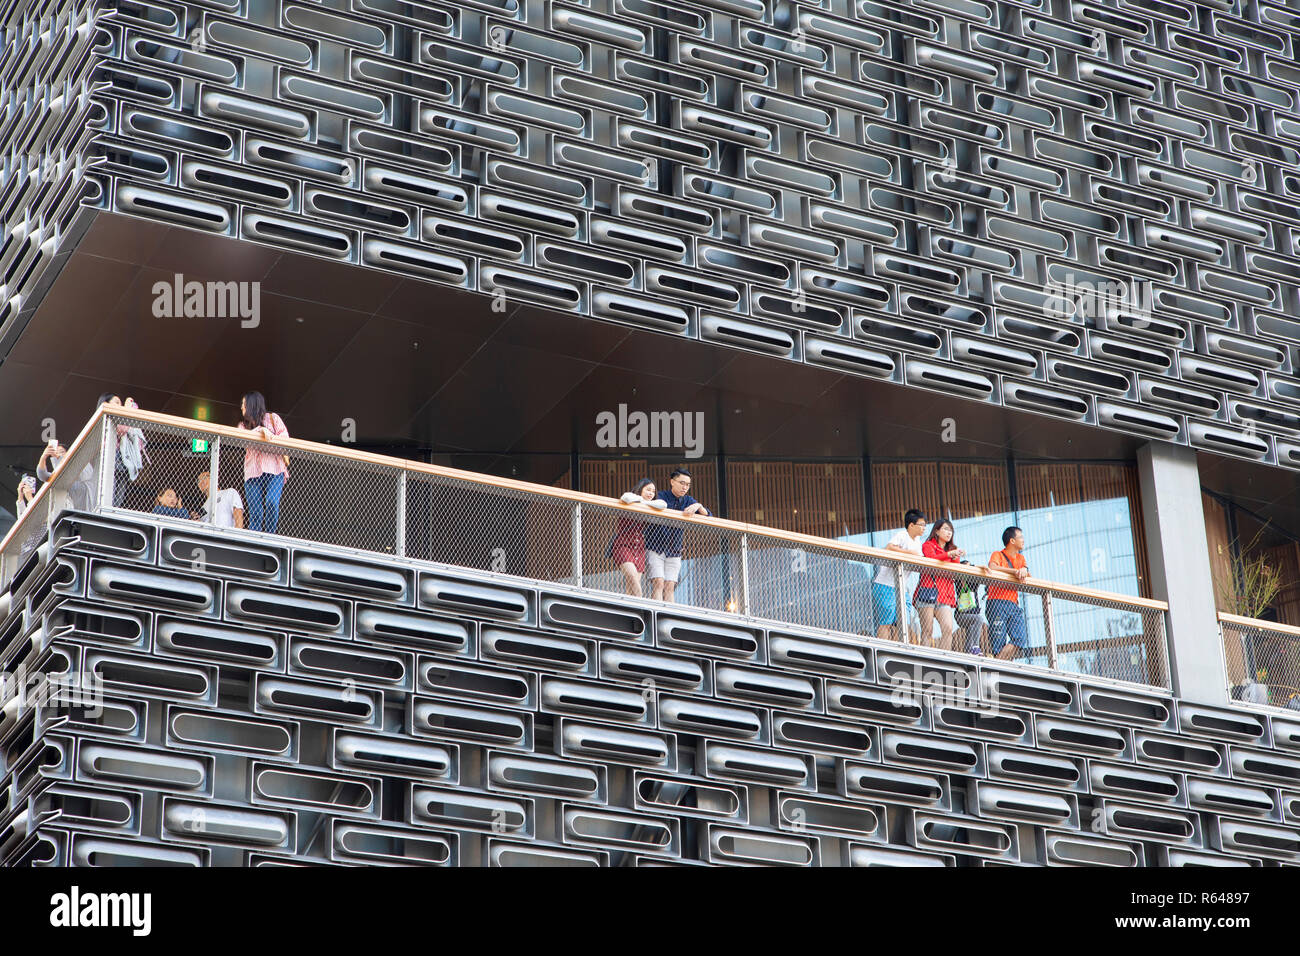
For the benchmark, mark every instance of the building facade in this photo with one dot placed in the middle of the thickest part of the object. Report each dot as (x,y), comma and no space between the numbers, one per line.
(1013,263)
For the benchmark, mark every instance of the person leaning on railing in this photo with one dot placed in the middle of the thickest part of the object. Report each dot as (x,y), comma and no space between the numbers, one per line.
(627,547)
(664,543)
(1007,628)
(936,594)
(265,472)
(884,589)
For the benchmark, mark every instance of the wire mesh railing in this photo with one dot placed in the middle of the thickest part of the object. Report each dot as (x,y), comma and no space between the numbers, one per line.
(1262,661)
(75,484)
(187,471)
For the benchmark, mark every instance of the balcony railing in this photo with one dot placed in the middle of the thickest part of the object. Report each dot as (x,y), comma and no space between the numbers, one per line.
(420,512)
(1262,661)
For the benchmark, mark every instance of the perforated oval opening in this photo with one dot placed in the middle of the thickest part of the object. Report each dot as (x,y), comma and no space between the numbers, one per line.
(584,616)
(373,668)
(1147,823)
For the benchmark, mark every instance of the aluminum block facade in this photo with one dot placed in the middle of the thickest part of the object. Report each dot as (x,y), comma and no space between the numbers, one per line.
(1087,210)
(283,704)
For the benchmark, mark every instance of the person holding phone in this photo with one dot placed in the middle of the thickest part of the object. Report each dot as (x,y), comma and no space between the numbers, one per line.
(26,492)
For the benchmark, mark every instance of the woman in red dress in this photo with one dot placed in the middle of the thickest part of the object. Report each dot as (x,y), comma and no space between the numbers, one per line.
(936,595)
(628,547)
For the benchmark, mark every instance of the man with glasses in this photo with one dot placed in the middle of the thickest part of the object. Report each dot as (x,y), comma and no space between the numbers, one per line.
(884,590)
(663,542)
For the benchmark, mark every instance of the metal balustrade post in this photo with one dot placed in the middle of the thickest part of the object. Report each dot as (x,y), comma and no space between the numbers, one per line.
(900,598)
(107,453)
(1049,630)
(214,478)
(744,574)
(399,546)
(576,537)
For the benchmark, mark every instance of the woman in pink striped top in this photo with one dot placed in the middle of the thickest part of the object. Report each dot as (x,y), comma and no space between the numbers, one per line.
(265,471)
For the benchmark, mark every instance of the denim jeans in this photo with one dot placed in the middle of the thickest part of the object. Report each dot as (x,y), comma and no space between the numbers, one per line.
(262,497)
(121,481)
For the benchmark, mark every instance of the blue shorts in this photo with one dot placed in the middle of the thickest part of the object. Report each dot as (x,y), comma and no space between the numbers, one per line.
(885,599)
(1006,622)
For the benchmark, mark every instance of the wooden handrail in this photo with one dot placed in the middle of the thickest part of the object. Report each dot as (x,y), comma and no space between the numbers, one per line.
(855,551)
(1288,629)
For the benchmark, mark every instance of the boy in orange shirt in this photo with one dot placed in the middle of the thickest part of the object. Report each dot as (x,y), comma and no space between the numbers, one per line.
(1008,631)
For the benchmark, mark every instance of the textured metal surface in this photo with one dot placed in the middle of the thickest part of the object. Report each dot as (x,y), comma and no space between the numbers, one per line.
(911,190)
(49,118)
(213,739)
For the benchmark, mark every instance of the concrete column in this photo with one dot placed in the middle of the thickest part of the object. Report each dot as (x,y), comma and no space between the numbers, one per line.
(1180,569)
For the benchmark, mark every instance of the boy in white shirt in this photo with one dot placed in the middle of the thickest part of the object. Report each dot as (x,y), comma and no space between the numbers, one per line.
(229,507)
(884,593)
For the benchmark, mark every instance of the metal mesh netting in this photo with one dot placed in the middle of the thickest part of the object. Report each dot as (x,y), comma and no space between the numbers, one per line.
(323,498)
(489,528)
(810,586)
(1263,664)
(316,497)
(1106,638)
(152,464)
(74,485)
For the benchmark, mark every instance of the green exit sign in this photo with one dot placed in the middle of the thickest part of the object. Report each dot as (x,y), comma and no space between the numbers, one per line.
(199,446)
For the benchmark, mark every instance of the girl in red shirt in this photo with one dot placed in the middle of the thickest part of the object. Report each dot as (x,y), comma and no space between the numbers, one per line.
(936,596)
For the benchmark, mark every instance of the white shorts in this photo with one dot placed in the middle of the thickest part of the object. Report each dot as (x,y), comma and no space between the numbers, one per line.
(658,566)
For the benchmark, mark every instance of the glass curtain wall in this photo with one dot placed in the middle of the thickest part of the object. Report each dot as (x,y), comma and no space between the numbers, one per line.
(1082,524)
(1240,543)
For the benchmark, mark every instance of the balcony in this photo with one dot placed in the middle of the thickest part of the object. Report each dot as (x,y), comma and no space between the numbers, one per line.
(348,501)
(1262,662)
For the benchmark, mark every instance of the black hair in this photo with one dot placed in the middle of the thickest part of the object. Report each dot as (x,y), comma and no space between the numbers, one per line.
(679,473)
(934,533)
(640,485)
(105,399)
(254,409)
(912,516)
(1008,535)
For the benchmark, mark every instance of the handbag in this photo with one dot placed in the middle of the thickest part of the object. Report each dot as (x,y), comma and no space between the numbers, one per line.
(968,601)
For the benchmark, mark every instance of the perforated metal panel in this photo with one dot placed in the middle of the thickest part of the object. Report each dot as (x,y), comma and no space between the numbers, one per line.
(406,726)
(1089,211)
